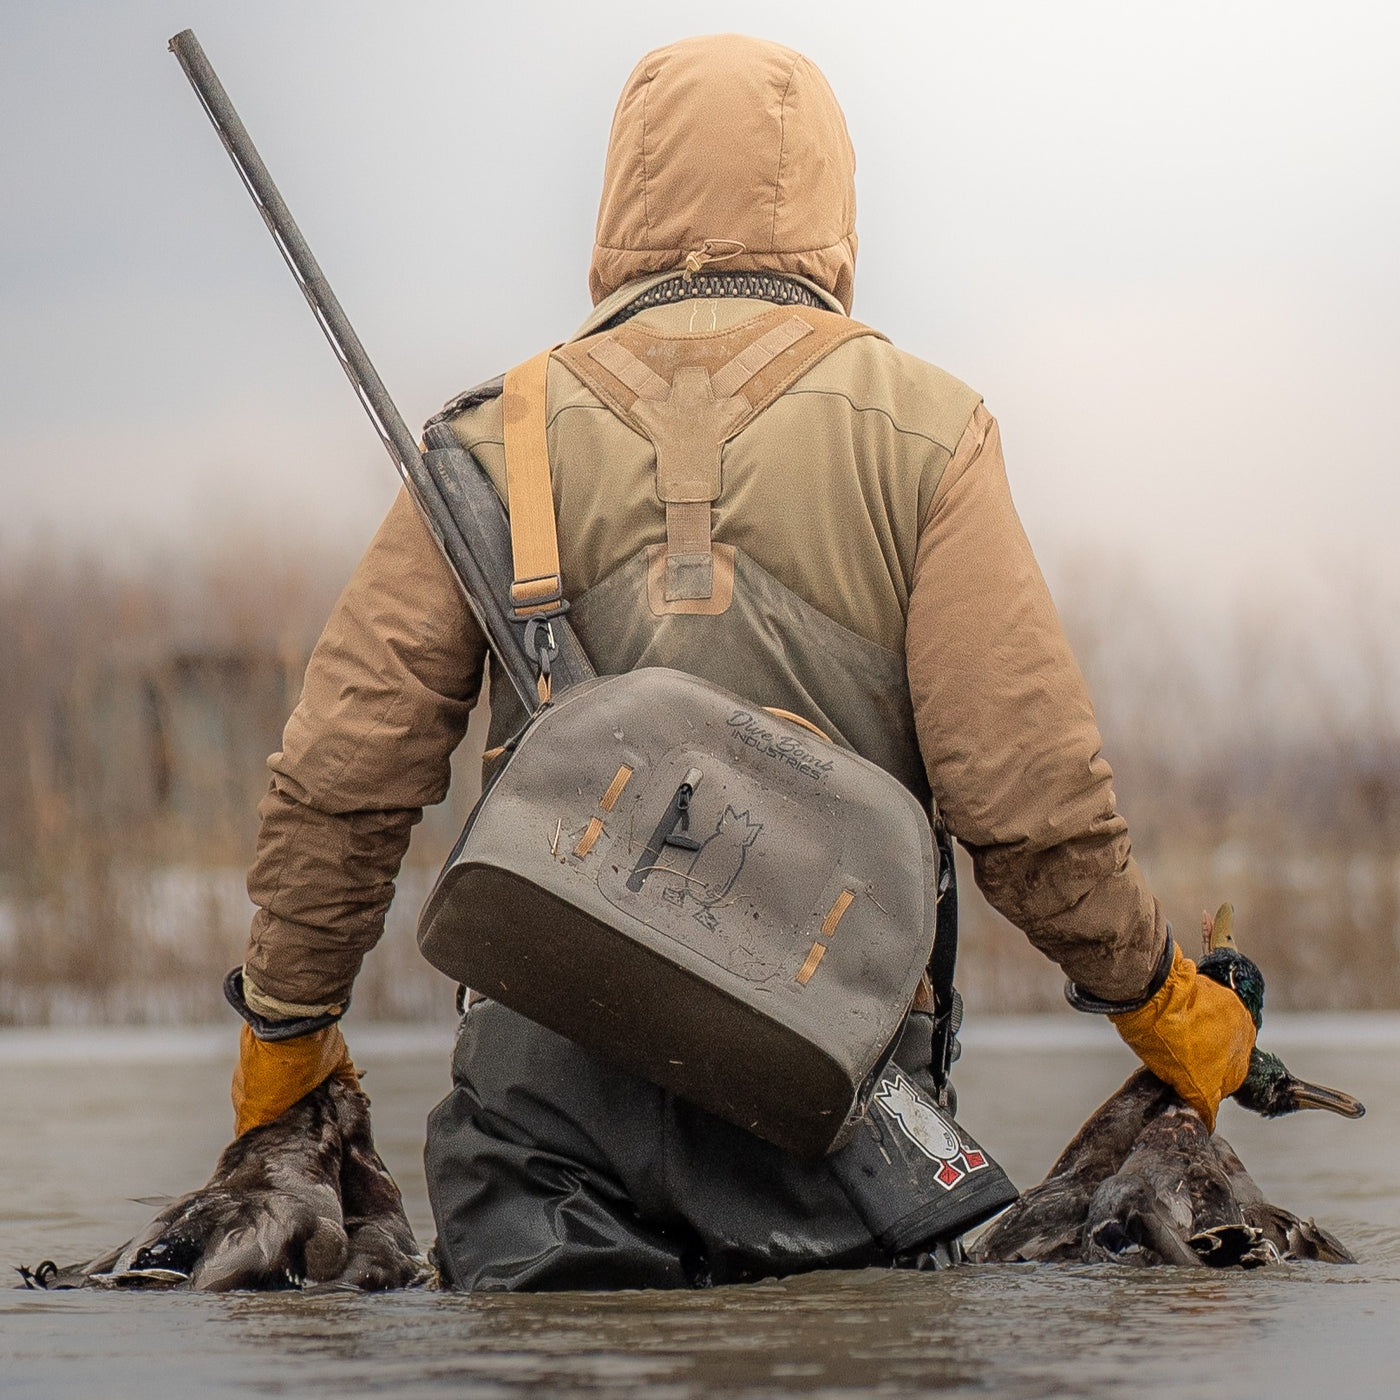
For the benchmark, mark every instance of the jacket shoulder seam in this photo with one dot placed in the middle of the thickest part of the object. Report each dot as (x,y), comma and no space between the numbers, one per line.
(884,412)
(496,440)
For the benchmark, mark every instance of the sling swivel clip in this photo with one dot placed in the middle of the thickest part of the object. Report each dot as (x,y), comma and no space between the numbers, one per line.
(540,641)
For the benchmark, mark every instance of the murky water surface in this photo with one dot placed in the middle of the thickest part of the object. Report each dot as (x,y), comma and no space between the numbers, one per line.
(93,1119)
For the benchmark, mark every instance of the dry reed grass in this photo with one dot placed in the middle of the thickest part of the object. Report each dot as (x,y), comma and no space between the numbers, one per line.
(136,709)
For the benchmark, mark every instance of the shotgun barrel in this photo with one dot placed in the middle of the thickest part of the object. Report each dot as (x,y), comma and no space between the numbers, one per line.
(453,494)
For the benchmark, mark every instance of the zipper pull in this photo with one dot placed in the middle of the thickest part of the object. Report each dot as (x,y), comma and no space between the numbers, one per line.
(677,815)
(682,805)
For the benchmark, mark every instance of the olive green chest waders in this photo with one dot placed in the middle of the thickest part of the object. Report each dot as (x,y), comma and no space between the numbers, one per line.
(707,909)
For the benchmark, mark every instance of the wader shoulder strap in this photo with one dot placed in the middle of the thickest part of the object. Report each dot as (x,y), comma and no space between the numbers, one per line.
(688,395)
(760,357)
(936,994)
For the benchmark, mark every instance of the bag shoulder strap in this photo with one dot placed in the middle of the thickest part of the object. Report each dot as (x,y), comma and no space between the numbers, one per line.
(538,586)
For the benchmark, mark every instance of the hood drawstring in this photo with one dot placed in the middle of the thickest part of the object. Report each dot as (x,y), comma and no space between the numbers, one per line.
(699,257)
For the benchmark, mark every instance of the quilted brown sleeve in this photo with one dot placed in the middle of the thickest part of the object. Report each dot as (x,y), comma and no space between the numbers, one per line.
(386,699)
(1009,738)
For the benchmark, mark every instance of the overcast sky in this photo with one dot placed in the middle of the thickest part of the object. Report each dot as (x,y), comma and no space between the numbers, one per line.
(1161,240)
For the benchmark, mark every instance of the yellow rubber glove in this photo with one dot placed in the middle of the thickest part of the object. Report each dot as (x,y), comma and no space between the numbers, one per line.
(273,1074)
(1195,1035)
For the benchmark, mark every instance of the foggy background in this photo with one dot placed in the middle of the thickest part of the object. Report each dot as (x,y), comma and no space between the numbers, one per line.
(1161,242)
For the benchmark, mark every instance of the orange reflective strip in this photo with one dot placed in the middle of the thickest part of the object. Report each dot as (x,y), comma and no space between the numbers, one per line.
(609,799)
(843,902)
(589,839)
(797,719)
(810,966)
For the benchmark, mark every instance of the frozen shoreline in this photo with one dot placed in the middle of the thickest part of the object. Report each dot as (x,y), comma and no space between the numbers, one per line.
(134,1045)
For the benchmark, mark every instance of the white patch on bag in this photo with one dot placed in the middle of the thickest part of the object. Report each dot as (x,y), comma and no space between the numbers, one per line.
(927,1129)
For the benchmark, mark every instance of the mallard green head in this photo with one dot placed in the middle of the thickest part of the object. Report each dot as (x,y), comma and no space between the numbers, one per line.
(1270,1089)
(1223,962)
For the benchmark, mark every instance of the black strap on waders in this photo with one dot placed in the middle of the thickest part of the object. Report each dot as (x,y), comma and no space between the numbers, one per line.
(942,964)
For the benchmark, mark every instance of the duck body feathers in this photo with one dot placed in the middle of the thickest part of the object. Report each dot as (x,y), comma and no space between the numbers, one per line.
(304,1200)
(1144,1182)
(1047,1223)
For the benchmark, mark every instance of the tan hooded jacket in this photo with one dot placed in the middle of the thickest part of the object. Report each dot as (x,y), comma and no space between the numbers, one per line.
(872,491)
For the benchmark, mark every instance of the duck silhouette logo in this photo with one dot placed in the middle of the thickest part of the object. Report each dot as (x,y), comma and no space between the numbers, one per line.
(715,866)
(927,1129)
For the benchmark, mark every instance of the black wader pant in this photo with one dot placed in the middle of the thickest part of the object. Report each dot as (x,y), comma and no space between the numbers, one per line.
(549,1169)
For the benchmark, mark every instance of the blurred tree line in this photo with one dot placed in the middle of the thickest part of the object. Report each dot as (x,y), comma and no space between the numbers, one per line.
(137,709)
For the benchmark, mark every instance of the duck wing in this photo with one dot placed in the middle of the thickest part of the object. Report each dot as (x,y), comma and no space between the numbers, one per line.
(1146,1212)
(1108,1135)
(382,1252)
(1047,1223)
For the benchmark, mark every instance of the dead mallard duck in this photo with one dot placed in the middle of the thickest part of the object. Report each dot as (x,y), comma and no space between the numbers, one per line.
(304,1200)
(1145,1181)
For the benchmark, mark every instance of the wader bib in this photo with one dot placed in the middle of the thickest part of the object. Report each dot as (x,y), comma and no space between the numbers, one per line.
(549,1168)
(710,894)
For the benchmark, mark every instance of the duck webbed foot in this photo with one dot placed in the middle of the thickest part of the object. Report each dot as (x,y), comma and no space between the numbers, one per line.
(303,1200)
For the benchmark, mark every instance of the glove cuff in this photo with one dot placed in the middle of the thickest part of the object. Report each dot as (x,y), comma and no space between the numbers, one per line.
(280,1028)
(1097,1006)
(271,1076)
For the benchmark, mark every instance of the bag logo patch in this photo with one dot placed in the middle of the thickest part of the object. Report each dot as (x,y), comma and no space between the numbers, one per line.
(927,1129)
(780,748)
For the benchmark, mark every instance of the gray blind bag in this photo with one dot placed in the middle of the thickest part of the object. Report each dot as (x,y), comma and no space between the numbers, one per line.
(701,891)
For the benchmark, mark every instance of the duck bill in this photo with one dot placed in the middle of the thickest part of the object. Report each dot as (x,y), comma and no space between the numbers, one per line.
(1307,1095)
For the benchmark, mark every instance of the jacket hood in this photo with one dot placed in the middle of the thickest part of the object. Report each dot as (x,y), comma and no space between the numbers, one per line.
(727,151)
